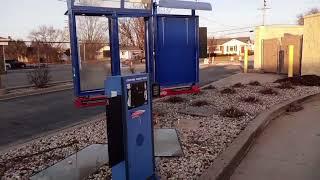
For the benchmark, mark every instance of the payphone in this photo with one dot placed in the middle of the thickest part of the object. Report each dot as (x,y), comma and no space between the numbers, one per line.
(129,127)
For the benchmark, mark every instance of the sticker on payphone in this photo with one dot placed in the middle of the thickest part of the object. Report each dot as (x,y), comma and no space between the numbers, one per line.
(137,114)
(137,94)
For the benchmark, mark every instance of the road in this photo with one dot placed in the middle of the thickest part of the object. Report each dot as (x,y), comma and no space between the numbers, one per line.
(23,118)
(18,77)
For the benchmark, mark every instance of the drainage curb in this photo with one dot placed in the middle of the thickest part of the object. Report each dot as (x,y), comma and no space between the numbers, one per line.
(29,86)
(224,166)
(37,92)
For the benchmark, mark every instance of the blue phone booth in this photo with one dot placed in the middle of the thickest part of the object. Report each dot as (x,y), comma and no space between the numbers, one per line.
(177,48)
(130,128)
(171,56)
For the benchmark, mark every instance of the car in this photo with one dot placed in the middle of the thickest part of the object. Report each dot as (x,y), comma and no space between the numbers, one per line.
(8,66)
(15,64)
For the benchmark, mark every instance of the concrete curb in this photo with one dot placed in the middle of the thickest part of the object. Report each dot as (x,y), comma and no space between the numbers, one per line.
(36,92)
(29,86)
(224,166)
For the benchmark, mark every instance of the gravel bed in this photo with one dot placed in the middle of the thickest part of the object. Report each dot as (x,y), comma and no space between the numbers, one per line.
(202,138)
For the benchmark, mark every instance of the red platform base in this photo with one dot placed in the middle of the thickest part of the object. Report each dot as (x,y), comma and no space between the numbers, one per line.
(82,102)
(178,91)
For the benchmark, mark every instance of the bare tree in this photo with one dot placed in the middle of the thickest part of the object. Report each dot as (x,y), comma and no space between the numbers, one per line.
(47,45)
(92,32)
(132,32)
(16,49)
(211,48)
(300,17)
(48,35)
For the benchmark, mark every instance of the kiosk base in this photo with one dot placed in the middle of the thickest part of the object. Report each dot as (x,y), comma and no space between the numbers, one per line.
(181,90)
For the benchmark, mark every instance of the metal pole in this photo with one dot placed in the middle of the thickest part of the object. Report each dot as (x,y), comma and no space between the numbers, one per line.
(4,59)
(84,52)
(245,64)
(38,53)
(291,56)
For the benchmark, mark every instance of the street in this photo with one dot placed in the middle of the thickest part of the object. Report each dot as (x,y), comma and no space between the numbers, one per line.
(23,118)
(18,77)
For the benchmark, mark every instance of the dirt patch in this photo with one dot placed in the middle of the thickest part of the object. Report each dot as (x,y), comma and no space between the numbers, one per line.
(210,87)
(268,91)
(175,100)
(306,80)
(254,83)
(238,85)
(232,113)
(200,103)
(251,99)
(285,85)
(228,91)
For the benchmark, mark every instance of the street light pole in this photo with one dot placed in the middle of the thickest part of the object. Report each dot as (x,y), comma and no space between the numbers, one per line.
(4,58)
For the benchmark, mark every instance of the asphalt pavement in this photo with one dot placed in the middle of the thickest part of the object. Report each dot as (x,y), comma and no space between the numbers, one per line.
(287,149)
(23,118)
(18,77)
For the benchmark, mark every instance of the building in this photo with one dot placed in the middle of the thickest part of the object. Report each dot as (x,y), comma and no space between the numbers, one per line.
(103,53)
(3,43)
(126,53)
(130,52)
(230,46)
(272,47)
(311,45)
(274,33)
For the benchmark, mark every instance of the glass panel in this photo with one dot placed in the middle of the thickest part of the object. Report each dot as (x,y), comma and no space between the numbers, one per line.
(132,54)
(99,3)
(94,51)
(129,4)
(138,4)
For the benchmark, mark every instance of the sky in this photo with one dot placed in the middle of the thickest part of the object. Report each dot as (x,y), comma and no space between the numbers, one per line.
(19,17)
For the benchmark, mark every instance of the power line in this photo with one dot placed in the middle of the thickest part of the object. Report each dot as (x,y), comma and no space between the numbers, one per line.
(250,31)
(213,21)
(232,29)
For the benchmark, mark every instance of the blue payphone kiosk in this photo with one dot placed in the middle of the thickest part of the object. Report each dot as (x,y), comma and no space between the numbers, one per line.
(129,127)
(128,99)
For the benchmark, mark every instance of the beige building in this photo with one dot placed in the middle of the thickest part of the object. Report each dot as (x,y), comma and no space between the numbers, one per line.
(311,45)
(274,32)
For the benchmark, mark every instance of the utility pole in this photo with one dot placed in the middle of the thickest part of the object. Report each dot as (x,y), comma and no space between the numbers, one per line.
(264,11)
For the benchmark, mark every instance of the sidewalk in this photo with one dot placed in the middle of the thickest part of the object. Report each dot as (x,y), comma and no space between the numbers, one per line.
(288,149)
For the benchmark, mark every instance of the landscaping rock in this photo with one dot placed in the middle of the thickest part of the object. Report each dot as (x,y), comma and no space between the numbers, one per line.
(202,138)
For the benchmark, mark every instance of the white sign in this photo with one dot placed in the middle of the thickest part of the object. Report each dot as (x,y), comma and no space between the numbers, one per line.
(3,43)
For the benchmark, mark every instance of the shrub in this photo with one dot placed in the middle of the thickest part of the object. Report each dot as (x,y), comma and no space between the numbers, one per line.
(199,103)
(132,69)
(232,113)
(39,77)
(228,91)
(175,99)
(238,85)
(268,91)
(255,83)
(251,99)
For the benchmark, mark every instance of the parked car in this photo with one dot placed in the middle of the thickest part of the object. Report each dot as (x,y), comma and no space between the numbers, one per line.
(15,64)
(8,66)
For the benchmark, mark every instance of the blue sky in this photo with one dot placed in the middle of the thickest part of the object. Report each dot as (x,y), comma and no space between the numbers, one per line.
(19,17)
